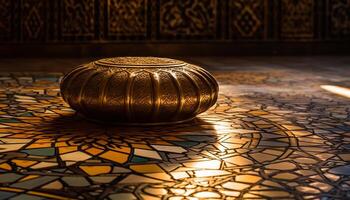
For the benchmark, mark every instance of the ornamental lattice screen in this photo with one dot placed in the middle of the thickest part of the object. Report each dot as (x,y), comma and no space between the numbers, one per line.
(172,21)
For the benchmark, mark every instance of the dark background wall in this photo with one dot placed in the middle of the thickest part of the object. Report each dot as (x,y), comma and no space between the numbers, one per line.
(195,27)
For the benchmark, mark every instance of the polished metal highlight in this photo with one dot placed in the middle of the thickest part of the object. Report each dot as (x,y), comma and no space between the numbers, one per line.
(139,90)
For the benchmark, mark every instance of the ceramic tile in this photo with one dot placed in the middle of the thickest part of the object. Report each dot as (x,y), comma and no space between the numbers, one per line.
(284,139)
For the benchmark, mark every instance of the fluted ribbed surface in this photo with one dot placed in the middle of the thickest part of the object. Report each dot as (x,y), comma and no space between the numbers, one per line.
(139,90)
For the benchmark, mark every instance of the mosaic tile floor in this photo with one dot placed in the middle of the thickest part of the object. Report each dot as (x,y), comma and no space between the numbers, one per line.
(272,134)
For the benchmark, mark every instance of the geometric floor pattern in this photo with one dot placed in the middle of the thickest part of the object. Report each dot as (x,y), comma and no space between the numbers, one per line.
(270,136)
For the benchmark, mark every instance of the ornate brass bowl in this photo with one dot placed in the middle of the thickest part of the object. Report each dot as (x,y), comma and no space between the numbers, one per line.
(139,90)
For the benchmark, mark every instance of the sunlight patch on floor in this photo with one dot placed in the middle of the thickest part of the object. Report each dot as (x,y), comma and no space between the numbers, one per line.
(337,90)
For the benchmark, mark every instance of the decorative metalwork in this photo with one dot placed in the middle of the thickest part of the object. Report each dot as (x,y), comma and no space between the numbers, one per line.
(187,18)
(248,19)
(139,90)
(297,18)
(127,17)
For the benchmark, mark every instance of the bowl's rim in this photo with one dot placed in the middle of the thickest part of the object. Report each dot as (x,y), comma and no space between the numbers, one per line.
(113,62)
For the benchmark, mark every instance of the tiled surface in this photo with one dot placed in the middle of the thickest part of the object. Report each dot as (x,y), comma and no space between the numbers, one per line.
(274,133)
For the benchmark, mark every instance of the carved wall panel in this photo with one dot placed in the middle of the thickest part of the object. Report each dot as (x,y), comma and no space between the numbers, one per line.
(127,17)
(248,18)
(339,13)
(34,19)
(119,21)
(188,19)
(78,18)
(297,19)
(5,19)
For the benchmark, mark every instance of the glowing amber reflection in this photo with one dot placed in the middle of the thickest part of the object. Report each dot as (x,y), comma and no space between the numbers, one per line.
(337,90)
